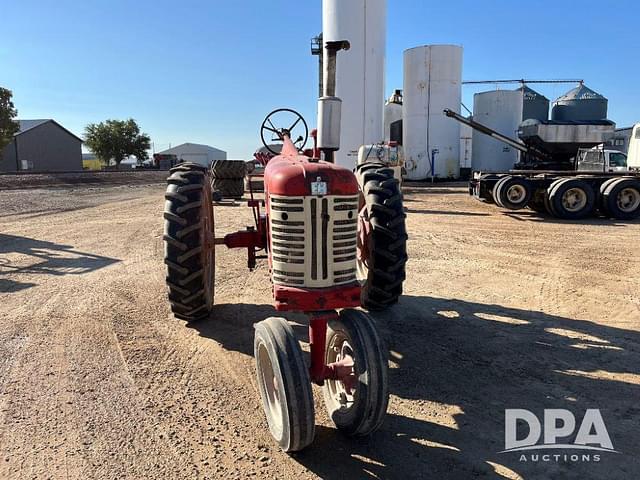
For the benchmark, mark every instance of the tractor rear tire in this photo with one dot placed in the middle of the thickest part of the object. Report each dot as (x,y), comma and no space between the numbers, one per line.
(228,187)
(189,222)
(285,384)
(228,169)
(382,256)
(360,408)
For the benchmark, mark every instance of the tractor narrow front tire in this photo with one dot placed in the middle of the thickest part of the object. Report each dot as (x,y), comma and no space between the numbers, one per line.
(285,385)
(359,410)
(382,237)
(188,216)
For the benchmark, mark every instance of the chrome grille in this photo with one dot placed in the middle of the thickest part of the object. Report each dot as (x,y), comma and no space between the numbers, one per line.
(313,240)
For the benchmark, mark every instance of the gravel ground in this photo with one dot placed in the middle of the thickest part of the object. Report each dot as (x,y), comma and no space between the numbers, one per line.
(12,181)
(501,310)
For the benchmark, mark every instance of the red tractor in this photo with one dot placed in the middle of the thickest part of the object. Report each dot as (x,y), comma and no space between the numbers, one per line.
(335,241)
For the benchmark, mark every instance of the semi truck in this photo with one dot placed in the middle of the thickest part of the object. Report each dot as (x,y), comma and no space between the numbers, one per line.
(561,173)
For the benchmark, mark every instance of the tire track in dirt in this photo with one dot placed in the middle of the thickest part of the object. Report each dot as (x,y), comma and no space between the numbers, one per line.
(492,308)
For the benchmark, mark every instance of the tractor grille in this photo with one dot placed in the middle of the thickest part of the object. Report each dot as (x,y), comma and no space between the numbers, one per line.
(313,240)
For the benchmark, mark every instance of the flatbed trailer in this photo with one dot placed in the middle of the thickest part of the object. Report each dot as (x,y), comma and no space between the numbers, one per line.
(563,194)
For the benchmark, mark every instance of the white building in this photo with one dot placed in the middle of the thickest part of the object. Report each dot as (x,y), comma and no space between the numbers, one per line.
(194,152)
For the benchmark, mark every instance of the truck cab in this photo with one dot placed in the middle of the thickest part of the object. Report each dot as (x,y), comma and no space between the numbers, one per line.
(601,160)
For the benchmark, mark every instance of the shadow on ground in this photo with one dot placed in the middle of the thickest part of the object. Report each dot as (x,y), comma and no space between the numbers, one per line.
(231,325)
(451,212)
(435,189)
(531,216)
(31,257)
(455,367)
(478,360)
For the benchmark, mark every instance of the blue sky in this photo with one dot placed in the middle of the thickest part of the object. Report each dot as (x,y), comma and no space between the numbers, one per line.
(208,71)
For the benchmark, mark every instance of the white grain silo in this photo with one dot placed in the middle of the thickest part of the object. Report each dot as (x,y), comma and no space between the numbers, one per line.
(360,71)
(500,110)
(432,82)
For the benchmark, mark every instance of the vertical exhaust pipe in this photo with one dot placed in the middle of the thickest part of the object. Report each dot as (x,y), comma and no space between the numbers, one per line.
(330,106)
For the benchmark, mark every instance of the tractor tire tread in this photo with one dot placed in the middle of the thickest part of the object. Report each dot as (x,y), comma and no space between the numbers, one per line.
(228,169)
(185,271)
(388,255)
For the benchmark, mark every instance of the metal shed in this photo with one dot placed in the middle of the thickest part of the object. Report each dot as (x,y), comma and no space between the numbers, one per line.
(43,146)
(195,152)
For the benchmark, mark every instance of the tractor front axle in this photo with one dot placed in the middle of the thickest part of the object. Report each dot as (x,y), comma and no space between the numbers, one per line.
(319,371)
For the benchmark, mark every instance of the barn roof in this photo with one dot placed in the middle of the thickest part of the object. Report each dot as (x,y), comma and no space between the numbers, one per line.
(190,146)
(26,125)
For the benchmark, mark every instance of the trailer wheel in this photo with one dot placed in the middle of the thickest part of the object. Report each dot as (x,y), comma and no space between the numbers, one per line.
(188,253)
(485,195)
(382,237)
(512,192)
(495,190)
(357,407)
(622,198)
(285,385)
(571,198)
(604,209)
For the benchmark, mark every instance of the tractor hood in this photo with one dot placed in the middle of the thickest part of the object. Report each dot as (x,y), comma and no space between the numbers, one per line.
(293,176)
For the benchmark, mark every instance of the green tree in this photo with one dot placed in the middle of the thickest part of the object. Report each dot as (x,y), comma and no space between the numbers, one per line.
(8,126)
(116,140)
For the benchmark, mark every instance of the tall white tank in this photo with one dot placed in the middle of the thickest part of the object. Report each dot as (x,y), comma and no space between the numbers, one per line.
(500,110)
(466,147)
(392,112)
(432,82)
(360,71)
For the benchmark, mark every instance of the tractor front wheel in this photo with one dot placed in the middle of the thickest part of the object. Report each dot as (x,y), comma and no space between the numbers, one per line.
(357,405)
(188,250)
(285,384)
(382,237)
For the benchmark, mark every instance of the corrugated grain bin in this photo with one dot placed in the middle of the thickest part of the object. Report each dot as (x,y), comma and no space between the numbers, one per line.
(432,82)
(534,104)
(580,104)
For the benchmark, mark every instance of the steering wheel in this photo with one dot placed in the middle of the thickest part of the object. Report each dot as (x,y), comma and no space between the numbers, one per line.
(284,116)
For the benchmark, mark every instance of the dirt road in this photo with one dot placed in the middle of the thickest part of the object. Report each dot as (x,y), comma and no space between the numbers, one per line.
(98,380)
